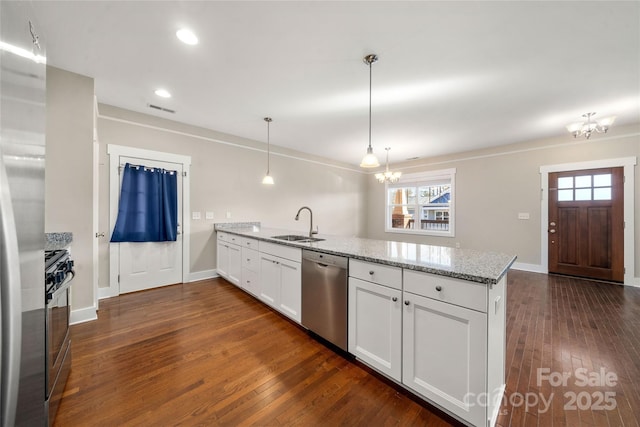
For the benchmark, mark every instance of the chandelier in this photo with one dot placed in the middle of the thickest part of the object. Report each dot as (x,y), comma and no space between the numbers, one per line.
(387,175)
(586,129)
(370,160)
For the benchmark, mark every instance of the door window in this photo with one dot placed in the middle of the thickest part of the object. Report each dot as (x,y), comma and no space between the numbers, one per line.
(584,188)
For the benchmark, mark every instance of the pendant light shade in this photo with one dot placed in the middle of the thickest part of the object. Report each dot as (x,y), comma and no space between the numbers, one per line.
(370,160)
(268,179)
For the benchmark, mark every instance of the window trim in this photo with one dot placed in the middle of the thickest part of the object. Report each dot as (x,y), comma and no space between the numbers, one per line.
(417,179)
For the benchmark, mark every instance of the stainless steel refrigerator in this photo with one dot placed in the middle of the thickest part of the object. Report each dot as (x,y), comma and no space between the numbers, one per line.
(22,153)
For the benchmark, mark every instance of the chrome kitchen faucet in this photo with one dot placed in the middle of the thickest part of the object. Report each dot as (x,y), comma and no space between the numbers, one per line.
(311,231)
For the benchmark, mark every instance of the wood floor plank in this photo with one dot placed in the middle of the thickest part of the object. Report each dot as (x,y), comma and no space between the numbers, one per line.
(208,354)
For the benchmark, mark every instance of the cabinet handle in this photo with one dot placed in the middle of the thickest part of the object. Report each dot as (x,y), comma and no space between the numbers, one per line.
(371,272)
(406,302)
(438,288)
(394,299)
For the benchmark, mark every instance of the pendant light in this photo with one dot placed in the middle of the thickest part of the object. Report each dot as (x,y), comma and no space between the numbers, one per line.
(268,179)
(370,160)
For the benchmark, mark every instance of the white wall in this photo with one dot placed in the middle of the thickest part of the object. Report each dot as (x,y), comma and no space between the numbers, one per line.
(226,174)
(494,185)
(68,176)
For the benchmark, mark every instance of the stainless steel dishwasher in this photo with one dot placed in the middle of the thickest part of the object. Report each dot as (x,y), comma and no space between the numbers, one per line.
(324,296)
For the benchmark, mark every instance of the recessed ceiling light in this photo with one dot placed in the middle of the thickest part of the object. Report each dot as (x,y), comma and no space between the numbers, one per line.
(186,36)
(163,93)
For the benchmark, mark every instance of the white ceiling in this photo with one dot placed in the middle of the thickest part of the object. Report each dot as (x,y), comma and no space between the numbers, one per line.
(452,76)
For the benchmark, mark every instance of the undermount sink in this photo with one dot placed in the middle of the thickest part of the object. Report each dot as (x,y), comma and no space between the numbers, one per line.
(297,238)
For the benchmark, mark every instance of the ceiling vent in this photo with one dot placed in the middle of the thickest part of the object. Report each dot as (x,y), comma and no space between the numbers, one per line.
(157,107)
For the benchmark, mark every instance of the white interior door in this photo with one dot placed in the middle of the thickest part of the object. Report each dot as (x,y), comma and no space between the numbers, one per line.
(145,265)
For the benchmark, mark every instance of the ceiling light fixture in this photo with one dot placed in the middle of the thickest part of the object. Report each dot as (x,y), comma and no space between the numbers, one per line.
(268,179)
(586,129)
(187,36)
(163,93)
(387,175)
(370,160)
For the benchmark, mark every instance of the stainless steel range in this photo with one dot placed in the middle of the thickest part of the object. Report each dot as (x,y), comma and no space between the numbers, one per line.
(58,276)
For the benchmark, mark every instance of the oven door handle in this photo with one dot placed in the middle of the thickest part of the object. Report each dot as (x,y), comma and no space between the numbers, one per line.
(65,285)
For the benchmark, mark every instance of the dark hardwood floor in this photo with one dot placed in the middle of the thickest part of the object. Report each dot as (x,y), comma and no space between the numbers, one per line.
(206,353)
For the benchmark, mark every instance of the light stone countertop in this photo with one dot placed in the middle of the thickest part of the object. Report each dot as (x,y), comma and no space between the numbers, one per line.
(465,264)
(55,241)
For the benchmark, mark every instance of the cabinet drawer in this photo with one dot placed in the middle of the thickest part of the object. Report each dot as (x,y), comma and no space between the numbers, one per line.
(250,259)
(282,251)
(229,238)
(246,242)
(251,281)
(454,291)
(377,273)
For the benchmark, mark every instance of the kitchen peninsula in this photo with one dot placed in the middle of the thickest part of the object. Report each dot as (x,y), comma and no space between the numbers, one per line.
(430,318)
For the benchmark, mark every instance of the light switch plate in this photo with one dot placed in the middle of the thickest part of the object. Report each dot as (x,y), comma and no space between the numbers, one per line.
(208,215)
(195,215)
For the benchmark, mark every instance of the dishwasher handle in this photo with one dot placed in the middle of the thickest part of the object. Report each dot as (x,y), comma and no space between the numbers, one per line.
(325,260)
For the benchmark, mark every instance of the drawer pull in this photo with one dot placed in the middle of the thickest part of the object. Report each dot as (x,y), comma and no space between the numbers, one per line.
(371,272)
(438,288)
(394,299)
(406,302)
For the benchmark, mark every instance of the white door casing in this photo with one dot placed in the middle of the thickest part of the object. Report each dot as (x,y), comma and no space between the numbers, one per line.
(628,163)
(164,254)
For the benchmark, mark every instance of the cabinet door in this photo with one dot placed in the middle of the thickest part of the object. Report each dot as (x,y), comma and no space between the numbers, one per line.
(290,289)
(375,326)
(445,355)
(222,266)
(235,264)
(269,280)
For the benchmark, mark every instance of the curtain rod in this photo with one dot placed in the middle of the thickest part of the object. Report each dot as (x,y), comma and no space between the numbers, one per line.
(147,168)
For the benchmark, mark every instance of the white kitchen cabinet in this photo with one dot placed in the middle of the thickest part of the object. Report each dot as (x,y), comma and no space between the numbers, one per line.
(454,344)
(375,326)
(280,284)
(445,355)
(229,263)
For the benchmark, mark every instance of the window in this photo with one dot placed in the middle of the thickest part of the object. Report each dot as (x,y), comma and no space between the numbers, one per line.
(584,187)
(421,204)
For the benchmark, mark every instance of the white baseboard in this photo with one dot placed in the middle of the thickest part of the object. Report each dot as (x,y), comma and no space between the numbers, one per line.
(534,268)
(202,275)
(107,292)
(82,315)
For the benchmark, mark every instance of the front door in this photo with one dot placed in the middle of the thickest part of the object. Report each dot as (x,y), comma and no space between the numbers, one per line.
(586,223)
(145,265)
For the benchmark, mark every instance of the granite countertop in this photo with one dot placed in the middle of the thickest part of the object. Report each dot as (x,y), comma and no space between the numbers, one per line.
(54,241)
(465,264)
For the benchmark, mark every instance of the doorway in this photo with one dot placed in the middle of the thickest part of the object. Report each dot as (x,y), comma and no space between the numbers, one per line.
(586,223)
(138,266)
(628,226)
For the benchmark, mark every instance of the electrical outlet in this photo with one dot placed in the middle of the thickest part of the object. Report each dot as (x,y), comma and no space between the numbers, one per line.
(195,215)
(228,214)
(457,245)
(208,215)
(523,215)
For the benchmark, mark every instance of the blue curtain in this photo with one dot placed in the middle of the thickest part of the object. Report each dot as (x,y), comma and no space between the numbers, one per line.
(148,210)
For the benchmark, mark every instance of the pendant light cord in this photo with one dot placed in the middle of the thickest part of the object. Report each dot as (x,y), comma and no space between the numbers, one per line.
(268,148)
(370,62)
